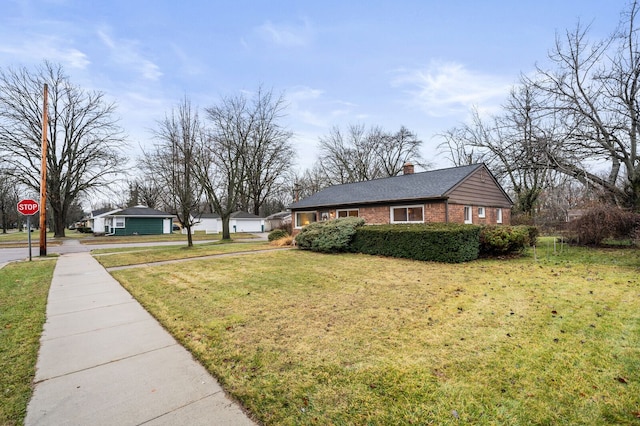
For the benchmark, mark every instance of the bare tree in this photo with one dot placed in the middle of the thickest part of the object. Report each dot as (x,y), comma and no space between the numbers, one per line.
(170,164)
(220,166)
(269,153)
(396,149)
(347,157)
(358,155)
(146,192)
(245,156)
(511,144)
(8,200)
(308,183)
(83,136)
(596,87)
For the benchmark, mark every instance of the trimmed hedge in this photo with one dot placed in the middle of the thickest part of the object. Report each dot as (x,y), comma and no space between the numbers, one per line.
(450,243)
(331,236)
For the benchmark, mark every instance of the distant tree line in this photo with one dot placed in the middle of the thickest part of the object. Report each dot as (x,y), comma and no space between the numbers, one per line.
(569,132)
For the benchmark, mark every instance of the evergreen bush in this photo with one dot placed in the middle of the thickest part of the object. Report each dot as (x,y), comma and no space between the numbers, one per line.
(276,234)
(331,236)
(502,240)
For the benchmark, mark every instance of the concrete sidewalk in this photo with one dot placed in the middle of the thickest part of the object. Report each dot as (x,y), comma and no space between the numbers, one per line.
(105,361)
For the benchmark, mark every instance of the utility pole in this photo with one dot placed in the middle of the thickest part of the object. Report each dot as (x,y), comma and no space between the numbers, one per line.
(43,178)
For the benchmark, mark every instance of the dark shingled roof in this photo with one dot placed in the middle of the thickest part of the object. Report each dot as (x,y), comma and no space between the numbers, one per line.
(417,186)
(142,211)
(102,211)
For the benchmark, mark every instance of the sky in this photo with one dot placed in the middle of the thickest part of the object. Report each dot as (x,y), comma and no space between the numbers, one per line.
(422,64)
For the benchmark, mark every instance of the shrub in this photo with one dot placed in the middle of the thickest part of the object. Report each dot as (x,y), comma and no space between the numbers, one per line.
(603,222)
(276,234)
(331,236)
(451,243)
(501,240)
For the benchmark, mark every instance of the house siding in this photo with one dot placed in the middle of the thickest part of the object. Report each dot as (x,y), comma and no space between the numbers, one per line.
(479,189)
(141,226)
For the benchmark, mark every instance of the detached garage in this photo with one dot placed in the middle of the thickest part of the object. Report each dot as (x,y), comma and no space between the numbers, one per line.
(238,222)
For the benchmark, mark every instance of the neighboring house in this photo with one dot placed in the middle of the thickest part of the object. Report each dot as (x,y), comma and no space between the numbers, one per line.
(211,223)
(276,220)
(98,219)
(466,194)
(138,220)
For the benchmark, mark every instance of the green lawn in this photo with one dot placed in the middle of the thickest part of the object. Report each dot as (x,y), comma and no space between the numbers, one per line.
(306,338)
(176,236)
(23,296)
(140,255)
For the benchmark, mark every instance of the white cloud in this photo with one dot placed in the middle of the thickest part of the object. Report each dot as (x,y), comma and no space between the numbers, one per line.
(125,52)
(310,106)
(40,47)
(188,64)
(447,88)
(286,35)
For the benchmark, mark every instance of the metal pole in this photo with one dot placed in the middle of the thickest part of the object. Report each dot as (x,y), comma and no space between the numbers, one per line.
(29,235)
(43,179)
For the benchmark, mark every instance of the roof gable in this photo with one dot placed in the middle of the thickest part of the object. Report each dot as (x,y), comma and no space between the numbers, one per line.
(103,212)
(432,184)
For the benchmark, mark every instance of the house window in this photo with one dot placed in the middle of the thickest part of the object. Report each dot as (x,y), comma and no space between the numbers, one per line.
(481,212)
(118,222)
(348,213)
(498,215)
(305,218)
(468,212)
(409,214)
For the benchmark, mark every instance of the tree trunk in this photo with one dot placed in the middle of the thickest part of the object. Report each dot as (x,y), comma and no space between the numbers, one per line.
(189,236)
(226,235)
(58,226)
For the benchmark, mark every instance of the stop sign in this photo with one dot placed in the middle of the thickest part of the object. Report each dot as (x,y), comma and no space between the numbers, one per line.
(28,207)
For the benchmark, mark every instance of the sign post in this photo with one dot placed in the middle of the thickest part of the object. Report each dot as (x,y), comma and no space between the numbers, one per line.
(28,208)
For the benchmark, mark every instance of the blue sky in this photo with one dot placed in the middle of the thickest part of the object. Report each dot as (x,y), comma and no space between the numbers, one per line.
(421,64)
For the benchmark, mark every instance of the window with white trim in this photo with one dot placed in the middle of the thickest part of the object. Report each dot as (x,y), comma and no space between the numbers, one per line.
(481,212)
(305,218)
(498,215)
(468,214)
(407,214)
(348,213)
(118,222)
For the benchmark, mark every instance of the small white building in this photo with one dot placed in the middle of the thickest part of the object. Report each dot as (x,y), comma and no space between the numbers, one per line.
(211,223)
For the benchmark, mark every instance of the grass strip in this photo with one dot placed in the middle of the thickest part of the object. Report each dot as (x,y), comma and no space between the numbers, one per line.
(304,338)
(23,297)
(133,256)
(132,239)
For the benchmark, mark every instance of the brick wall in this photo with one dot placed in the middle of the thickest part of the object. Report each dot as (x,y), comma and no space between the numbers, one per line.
(435,212)
(375,215)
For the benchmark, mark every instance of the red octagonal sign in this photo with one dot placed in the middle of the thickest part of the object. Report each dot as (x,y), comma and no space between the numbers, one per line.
(28,207)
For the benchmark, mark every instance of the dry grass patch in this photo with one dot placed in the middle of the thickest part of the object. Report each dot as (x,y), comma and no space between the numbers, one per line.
(282,242)
(306,338)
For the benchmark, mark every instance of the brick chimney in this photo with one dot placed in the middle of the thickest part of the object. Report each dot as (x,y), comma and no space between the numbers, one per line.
(407,169)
